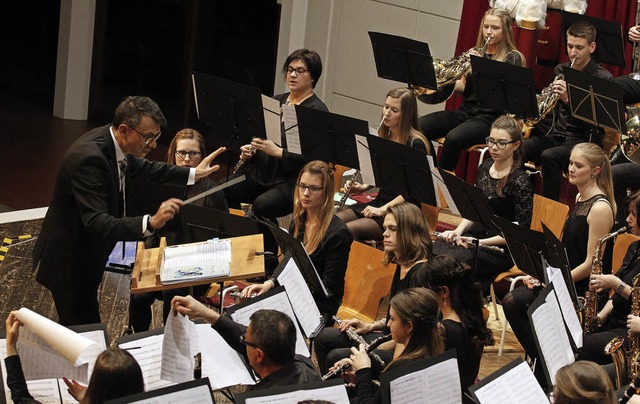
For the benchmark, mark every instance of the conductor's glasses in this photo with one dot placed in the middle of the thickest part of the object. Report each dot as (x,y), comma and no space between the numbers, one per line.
(148,138)
(500,144)
(310,188)
(300,71)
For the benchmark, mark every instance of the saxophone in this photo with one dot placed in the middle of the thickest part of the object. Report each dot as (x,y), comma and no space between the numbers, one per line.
(591,297)
(547,100)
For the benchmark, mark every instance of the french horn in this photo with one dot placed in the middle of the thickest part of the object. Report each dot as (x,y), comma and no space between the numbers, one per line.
(627,150)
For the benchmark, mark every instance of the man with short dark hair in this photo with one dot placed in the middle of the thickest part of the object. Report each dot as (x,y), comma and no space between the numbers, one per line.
(87,214)
(553,138)
(268,343)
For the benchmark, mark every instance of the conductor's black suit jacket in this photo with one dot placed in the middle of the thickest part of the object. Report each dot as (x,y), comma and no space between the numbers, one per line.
(84,222)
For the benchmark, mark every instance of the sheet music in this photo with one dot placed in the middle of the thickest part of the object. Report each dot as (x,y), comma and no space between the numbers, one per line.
(194,395)
(566,305)
(438,183)
(179,346)
(364,158)
(291,130)
(148,353)
(555,346)
(203,260)
(271,111)
(441,380)
(220,363)
(300,297)
(331,394)
(279,302)
(518,385)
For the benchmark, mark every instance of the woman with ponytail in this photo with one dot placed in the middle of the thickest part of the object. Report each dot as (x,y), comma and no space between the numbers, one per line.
(510,195)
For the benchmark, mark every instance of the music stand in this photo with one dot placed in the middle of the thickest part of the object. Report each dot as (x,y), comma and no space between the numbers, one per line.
(594,100)
(401,170)
(609,38)
(199,224)
(329,137)
(504,87)
(556,256)
(403,59)
(525,246)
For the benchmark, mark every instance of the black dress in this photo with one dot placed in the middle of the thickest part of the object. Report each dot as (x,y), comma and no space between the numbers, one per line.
(468,355)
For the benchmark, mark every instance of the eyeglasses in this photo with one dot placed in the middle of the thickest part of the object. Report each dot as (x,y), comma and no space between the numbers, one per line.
(243,341)
(300,71)
(192,154)
(148,139)
(501,144)
(311,188)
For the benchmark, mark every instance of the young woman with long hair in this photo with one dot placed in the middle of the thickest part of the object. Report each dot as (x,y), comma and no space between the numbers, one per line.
(583,382)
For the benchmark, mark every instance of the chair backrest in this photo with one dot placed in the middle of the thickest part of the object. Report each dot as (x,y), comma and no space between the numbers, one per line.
(366,283)
(337,177)
(551,212)
(620,248)
(431,214)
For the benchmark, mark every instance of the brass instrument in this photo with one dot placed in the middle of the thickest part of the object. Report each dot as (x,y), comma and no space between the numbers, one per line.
(591,297)
(447,73)
(344,365)
(357,338)
(626,363)
(626,151)
(547,100)
(636,52)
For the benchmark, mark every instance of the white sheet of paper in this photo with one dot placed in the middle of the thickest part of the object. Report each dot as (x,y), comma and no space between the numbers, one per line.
(364,158)
(555,345)
(441,380)
(220,363)
(278,302)
(291,131)
(439,184)
(300,297)
(194,395)
(271,111)
(566,305)
(148,353)
(179,347)
(518,385)
(331,394)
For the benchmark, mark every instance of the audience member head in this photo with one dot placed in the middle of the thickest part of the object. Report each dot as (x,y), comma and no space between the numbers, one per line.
(505,144)
(270,340)
(407,238)
(583,382)
(115,374)
(187,148)
(413,322)
(306,60)
(589,163)
(313,195)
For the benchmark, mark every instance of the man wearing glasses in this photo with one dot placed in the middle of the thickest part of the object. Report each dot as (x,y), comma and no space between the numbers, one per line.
(87,214)
(268,343)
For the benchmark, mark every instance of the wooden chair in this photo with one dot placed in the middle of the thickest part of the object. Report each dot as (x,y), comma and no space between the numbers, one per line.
(431,214)
(620,248)
(366,283)
(553,214)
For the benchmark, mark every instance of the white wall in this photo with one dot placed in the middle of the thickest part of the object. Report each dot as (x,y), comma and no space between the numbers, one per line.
(337,30)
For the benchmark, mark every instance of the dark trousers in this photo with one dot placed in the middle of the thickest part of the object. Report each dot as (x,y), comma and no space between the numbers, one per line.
(76,309)
(140,305)
(461,130)
(552,153)
(625,176)
(593,345)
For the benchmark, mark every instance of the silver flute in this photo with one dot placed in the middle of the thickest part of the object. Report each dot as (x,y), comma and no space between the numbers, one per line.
(344,365)
(241,161)
(483,246)
(357,338)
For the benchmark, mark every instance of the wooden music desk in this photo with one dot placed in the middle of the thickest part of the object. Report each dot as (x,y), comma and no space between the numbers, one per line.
(244,264)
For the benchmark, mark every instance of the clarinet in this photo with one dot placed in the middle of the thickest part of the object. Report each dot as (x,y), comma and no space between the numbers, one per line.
(630,391)
(344,198)
(344,365)
(357,338)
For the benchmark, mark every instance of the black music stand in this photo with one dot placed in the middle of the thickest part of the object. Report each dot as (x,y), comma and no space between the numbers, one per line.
(329,137)
(609,38)
(199,224)
(504,87)
(556,256)
(526,247)
(401,170)
(594,100)
(403,59)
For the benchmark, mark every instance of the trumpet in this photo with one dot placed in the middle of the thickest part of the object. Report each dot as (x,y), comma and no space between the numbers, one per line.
(344,365)
(493,248)
(448,72)
(547,100)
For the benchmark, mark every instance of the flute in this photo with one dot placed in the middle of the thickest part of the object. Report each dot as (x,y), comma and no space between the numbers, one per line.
(344,365)
(241,161)
(494,248)
(357,338)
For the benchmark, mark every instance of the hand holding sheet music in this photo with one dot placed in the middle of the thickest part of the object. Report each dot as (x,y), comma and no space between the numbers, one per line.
(179,346)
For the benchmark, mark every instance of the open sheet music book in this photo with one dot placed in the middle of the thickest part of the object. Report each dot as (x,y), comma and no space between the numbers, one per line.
(513,383)
(437,376)
(333,391)
(204,260)
(550,334)
(53,390)
(191,392)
